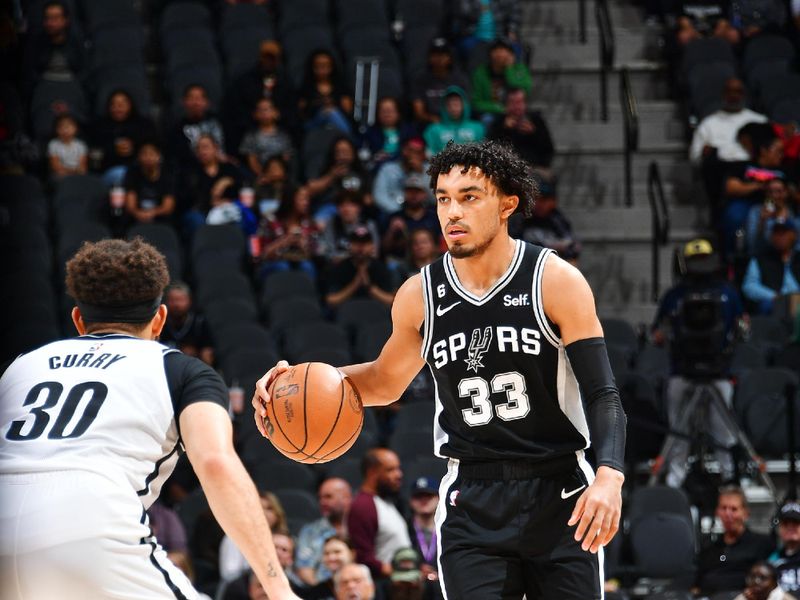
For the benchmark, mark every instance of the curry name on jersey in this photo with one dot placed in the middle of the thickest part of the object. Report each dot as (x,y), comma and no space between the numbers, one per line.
(504,387)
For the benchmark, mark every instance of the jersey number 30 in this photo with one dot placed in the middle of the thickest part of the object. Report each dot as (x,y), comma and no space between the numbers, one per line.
(478,390)
(96,391)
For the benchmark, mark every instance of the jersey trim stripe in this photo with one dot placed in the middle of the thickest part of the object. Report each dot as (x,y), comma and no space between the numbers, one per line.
(588,472)
(440,437)
(441,514)
(538,308)
(452,277)
(427,299)
(164,570)
(154,473)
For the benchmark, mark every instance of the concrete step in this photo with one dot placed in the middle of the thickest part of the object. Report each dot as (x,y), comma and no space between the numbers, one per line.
(564,13)
(598,136)
(576,195)
(657,111)
(629,224)
(578,167)
(562,46)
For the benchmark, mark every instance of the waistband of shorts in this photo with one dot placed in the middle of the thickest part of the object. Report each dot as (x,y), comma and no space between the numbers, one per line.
(517,469)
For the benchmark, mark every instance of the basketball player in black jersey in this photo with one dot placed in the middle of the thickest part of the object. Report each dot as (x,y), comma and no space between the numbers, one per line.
(510,333)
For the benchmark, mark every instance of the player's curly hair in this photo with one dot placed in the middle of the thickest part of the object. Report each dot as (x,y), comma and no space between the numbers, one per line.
(116,273)
(498,161)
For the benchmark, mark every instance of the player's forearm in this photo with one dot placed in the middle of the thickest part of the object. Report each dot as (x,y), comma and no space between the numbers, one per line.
(373,389)
(234,501)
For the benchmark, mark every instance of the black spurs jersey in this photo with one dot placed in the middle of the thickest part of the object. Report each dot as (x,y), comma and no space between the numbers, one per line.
(504,387)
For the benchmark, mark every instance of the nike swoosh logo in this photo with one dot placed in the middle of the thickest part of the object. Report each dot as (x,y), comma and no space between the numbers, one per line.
(440,311)
(565,494)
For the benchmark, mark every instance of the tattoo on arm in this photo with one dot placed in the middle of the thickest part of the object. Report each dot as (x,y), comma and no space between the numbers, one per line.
(271,572)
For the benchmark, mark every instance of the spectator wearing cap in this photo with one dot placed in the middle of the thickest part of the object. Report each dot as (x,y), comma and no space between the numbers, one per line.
(525,130)
(334,496)
(427,90)
(196,121)
(391,177)
(56,53)
(548,226)
(407,581)
(776,271)
(480,22)
(266,79)
(786,559)
(384,137)
(456,123)
(724,563)
(492,80)
(423,501)
(336,235)
(361,274)
(415,214)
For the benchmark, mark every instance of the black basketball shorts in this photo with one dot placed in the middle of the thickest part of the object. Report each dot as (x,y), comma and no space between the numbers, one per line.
(504,535)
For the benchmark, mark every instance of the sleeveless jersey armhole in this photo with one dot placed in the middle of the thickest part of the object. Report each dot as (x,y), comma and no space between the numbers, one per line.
(538,305)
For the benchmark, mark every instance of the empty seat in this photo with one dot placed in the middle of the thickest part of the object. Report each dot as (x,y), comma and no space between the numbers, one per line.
(353,15)
(231,310)
(285,475)
(410,444)
(240,49)
(72,239)
(190,36)
(299,504)
(358,312)
(370,339)
(706,50)
(298,14)
(769,48)
(673,554)
(299,43)
(223,285)
(775,90)
(180,15)
(303,337)
(348,468)
(424,466)
(415,44)
(101,14)
(245,16)
(219,239)
(706,83)
(285,312)
(52,98)
(338,357)
(236,336)
(747,356)
(287,283)
(621,333)
(417,416)
(117,46)
(164,238)
(188,55)
(419,13)
(241,362)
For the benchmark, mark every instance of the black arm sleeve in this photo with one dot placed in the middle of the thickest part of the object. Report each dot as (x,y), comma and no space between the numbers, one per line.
(606,418)
(191,380)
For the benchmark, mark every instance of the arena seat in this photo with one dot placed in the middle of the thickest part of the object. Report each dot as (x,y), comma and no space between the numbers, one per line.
(299,504)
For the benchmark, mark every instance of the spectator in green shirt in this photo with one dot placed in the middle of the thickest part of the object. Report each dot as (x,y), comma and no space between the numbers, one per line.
(491,81)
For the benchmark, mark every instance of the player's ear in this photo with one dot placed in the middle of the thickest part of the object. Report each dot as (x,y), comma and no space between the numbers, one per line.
(508,204)
(158,322)
(77,320)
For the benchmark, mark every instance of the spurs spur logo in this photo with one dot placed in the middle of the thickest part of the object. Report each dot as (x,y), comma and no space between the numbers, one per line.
(478,346)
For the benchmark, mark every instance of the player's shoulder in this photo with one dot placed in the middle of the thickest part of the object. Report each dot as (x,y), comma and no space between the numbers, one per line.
(561,274)
(182,366)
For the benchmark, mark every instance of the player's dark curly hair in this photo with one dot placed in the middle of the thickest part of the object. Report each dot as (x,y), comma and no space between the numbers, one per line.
(498,161)
(116,273)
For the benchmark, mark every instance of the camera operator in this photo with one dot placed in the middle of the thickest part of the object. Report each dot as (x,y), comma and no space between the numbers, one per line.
(699,319)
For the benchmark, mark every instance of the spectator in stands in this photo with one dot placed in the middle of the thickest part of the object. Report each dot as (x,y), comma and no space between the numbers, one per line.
(429,87)
(149,190)
(491,81)
(790,134)
(422,528)
(376,527)
(206,182)
(415,214)
(266,79)
(360,275)
(169,531)
(776,271)
(66,153)
(723,564)
(232,563)
(455,124)
(746,182)
(337,552)
(526,130)
(709,18)
(701,278)
(384,137)
(354,582)
(336,236)
(423,249)
(186,329)
(716,135)
(272,184)
(762,216)
(335,497)
(343,171)
(786,559)
(115,136)
(752,17)
(391,177)
(56,53)
(480,22)
(548,226)
(761,583)
(289,239)
(407,581)
(266,140)
(197,121)
(323,100)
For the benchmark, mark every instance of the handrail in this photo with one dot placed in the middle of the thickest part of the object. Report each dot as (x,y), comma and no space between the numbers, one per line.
(582,20)
(630,123)
(660,221)
(607,51)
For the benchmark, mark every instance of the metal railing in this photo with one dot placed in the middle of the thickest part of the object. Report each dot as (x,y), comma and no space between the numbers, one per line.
(582,20)
(660,223)
(607,51)
(630,124)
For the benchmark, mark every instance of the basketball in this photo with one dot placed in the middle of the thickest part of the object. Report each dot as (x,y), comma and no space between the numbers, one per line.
(315,414)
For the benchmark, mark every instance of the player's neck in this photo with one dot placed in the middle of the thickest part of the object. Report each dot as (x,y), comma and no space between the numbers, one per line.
(479,273)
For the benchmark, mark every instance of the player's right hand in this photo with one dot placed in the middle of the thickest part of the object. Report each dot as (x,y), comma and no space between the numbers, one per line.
(261,396)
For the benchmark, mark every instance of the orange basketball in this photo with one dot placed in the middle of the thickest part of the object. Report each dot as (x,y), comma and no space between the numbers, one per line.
(315,414)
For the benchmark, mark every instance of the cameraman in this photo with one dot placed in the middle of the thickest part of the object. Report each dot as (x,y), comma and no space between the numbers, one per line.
(699,318)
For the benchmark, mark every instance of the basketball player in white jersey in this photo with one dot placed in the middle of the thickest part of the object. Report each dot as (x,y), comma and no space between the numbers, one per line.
(91,427)
(510,333)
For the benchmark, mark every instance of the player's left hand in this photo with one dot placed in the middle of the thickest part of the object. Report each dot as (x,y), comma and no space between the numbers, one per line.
(598,510)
